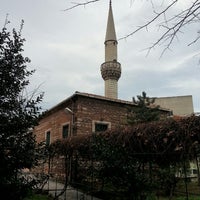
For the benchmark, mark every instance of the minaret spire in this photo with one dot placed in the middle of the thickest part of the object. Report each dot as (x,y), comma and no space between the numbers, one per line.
(110,30)
(111,69)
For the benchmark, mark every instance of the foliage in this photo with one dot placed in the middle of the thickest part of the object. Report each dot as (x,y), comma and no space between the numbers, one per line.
(137,160)
(144,111)
(119,168)
(19,113)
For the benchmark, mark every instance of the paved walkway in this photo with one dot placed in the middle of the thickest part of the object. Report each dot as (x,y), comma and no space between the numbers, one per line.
(70,194)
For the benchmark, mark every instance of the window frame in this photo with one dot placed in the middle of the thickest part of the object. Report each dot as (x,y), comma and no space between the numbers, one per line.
(63,125)
(94,122)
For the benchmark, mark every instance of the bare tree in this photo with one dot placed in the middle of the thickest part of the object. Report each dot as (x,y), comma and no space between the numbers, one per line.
(170,25)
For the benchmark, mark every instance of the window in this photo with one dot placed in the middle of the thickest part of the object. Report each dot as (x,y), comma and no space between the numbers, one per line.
(48,137)
(65,131)
(195,171)
(98,126)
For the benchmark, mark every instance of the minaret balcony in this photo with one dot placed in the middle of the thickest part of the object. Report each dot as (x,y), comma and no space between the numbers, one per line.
(111,70)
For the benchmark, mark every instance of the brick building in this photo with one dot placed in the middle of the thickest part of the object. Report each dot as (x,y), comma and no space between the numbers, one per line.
(83,113)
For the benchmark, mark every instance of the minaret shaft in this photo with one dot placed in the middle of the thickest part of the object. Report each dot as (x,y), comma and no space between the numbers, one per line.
(111,69)
(110,50)
(111,88)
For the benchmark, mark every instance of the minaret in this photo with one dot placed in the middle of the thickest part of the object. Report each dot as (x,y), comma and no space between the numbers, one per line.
(111,69)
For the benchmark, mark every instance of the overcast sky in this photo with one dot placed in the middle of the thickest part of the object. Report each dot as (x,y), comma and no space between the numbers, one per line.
(67,48)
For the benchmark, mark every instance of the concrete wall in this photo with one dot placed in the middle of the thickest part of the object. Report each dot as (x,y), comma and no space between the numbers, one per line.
(181,105)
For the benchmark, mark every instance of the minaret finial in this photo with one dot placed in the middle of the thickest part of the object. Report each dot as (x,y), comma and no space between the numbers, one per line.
(110,2)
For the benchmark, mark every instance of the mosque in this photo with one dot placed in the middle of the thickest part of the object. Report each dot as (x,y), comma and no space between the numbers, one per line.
(89,113)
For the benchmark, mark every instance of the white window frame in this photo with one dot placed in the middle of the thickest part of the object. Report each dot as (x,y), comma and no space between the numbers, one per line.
(100,122)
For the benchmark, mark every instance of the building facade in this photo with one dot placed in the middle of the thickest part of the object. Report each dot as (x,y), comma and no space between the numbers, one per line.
(180,105)
(84,113)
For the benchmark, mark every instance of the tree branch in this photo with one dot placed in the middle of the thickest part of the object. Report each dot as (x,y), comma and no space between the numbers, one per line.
(172,25)
(149,22)
(80,4)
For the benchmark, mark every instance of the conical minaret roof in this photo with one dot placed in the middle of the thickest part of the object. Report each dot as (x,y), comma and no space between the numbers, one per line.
(110,30)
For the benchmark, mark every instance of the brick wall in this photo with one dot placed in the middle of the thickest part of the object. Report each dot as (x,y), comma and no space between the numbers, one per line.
(53,123)
(86,110)
(89,110)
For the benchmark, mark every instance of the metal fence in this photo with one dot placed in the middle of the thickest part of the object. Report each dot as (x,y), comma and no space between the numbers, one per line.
(82,181)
